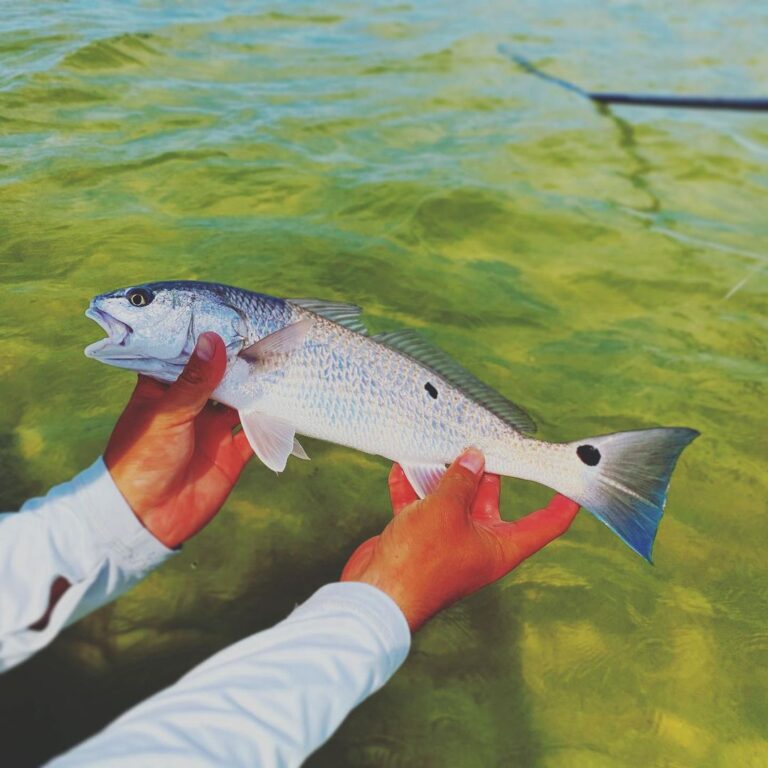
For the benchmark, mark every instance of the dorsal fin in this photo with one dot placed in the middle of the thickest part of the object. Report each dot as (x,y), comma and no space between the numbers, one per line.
(410,343)
(347,315)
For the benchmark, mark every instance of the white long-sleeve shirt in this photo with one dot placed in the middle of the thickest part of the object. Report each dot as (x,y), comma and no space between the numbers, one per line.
(82,530)
(269,700)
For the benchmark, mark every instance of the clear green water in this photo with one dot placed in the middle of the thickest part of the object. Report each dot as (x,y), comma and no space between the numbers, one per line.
(608,271)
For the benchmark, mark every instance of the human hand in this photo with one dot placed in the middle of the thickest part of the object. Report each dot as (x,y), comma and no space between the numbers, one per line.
(172,453)
(453,542)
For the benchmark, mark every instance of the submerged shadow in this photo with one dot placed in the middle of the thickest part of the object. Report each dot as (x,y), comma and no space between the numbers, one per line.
(16,486)
(55,700)
(83,681)
(460,699)
(639,166)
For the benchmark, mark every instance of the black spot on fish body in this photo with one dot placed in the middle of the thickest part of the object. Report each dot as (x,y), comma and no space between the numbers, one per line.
(589,455)
(431,389)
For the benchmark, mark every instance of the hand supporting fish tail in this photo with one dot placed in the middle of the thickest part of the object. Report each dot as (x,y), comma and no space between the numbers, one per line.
(453,542)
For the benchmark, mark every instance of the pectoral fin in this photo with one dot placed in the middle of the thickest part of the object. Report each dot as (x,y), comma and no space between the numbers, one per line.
(272,439)
(282,342)
(424,477)
(298,451)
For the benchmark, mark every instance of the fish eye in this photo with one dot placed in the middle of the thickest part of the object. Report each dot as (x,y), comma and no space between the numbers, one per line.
(140,297)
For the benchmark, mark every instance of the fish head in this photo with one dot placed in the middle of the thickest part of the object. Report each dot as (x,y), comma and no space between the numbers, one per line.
(153,328)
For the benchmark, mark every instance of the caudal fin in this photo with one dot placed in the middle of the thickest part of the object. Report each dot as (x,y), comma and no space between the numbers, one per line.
(625,478)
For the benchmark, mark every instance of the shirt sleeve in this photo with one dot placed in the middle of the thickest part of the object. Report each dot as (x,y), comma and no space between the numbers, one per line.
(83,531)
(269,700)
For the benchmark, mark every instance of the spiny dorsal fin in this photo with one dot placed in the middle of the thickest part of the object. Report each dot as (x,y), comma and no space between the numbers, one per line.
(409,342)
(347,315)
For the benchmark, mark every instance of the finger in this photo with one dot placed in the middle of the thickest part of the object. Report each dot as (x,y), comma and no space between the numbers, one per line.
(531,533)
(232,458)
(213,428)
(242,446)
(217,419)
(459,484)
(228,415)
(401,492)
(148,389)
(359,560)
(485,507)
(187,396)
(228,452)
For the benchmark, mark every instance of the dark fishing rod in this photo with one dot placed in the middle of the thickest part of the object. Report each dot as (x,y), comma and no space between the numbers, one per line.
(643,100)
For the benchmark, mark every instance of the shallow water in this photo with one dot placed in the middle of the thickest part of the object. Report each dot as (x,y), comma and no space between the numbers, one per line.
(605,269)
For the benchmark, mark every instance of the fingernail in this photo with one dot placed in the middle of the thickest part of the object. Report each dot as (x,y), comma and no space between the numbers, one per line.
(473,460)
(206,346)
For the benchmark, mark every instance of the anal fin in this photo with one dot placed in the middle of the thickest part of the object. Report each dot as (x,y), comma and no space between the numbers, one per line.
(424,477)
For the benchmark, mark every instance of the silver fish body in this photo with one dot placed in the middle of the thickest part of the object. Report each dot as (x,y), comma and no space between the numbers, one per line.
(308,367)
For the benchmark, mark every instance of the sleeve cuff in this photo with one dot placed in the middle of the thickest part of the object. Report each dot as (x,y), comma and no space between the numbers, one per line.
(377,608)
(112,522)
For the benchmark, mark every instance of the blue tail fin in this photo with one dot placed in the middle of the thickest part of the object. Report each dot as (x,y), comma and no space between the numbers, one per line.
(626,476)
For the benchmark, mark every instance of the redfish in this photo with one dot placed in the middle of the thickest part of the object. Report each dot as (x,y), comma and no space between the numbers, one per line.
(309,367)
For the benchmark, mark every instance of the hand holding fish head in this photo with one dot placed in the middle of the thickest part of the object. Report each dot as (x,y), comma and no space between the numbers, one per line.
(172,453)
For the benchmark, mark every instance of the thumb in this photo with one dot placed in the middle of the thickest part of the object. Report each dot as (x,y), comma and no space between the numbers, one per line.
(359,561)
(187,396)
(458,487)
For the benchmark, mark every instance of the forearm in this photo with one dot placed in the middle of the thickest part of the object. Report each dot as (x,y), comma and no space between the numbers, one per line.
(269,700)
(82,533)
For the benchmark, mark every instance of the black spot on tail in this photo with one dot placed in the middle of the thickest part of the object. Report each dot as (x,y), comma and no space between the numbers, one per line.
(431,389)
(589,455)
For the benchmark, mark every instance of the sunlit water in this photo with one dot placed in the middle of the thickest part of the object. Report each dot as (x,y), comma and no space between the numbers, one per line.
(606,270)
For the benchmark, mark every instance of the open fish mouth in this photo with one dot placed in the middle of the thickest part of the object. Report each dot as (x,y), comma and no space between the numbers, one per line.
(118,333)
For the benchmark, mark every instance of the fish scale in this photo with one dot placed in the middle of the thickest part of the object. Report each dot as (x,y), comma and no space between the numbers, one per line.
(308,367)
(349,389)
